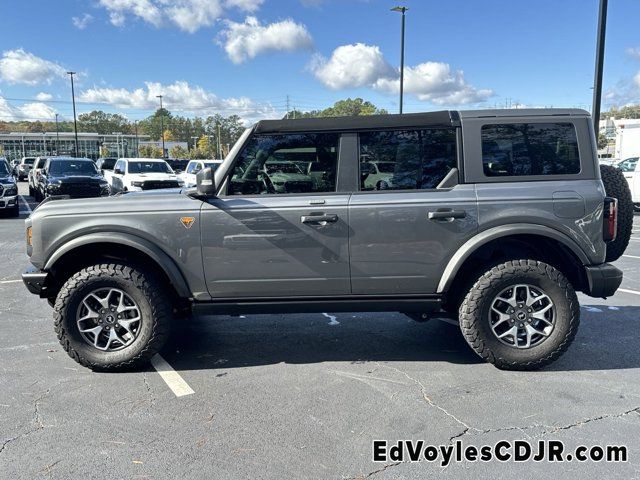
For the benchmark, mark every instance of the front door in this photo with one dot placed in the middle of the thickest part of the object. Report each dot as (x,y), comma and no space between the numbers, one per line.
(406,227)
(276,231)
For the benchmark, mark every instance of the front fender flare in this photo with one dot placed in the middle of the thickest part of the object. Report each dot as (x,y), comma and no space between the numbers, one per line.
(494,233)
(157,255)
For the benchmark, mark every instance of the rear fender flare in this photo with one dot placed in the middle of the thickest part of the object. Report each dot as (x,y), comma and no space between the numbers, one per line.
(482,238)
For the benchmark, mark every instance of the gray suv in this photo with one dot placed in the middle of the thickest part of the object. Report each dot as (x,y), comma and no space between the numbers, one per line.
(494,217)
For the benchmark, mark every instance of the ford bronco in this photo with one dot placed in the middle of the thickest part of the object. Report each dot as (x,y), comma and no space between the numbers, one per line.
(494,217)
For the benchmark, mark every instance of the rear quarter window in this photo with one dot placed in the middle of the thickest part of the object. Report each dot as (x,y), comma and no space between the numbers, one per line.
(529,149)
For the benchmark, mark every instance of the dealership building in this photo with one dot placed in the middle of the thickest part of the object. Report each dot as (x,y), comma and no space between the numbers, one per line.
(17,144)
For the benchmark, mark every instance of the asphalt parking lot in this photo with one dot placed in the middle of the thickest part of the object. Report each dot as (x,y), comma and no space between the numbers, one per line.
(304,396)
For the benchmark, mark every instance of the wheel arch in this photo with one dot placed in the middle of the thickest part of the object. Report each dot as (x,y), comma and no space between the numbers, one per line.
(96,247)
(509,233)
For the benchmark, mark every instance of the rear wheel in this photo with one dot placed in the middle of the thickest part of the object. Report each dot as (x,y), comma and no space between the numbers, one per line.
(615,185)
(112,317)
(520,315)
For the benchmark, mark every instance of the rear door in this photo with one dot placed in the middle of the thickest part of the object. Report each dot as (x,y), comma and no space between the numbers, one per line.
(275,232)
(406,227)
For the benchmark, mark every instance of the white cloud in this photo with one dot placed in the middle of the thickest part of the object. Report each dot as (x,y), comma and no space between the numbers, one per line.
(436,83)
(360,65)
(634,52)
(180,97)
(187,15)
(29,111)
(243,41)
(18,66)
(43,97)
(82,22)
(246,5)
(352,66)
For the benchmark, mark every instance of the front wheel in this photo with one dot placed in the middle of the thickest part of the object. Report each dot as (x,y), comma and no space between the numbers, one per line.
(520,315)
(112,317)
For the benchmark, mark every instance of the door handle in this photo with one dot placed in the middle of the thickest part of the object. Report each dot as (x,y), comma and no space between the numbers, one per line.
(321,219)
(446,214)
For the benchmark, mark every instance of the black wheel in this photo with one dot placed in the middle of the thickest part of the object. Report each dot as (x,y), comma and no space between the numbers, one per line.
(615,185)
(520,315)
(31,191)
(382,185)
(112,317)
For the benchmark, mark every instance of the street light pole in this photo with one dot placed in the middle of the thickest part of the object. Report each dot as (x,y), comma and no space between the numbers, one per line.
(597,82)
(401,10)
(137,141)
(161,123)
(57,137)
(73,99)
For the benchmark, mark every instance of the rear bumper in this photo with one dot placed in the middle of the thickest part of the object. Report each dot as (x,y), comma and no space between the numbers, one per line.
(602,280)
(35,281)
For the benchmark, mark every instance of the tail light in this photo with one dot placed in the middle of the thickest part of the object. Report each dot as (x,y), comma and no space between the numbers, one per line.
(610,219)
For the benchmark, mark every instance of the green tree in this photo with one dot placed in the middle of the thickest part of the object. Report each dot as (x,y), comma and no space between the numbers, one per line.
(602,141)
(150,151)
(178,152)
(103,123)
(342,108)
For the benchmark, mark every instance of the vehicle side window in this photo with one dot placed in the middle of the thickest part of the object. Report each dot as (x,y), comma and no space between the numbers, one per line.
(406,159)
(629,165)
(197,167)
(191,168)
(119,165)
(273,164)
(521,149)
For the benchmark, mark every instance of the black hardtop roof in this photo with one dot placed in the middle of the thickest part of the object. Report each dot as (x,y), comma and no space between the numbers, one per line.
(442,118)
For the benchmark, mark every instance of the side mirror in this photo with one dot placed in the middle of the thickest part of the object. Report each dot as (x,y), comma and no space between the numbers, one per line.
(206,183)
(117,171)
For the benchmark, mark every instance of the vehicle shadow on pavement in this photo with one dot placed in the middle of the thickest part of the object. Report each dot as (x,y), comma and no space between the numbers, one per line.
(606,340)
(216,342)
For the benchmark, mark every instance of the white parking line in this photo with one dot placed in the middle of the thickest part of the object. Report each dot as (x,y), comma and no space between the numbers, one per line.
(632,256)
(172,378)
(10,281)
(26,204)
(625,290)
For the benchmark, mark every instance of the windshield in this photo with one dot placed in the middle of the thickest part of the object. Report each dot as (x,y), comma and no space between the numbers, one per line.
(72,167)
(149,167)
(3,168)
(211,165)
(29,161)
(108,163)
(282,168)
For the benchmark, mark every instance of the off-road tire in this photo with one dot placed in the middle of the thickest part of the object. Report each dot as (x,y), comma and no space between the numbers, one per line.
(615,185)
(474,315)
(155,308)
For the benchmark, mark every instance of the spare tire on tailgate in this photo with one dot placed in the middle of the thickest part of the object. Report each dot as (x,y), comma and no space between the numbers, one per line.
(615,185)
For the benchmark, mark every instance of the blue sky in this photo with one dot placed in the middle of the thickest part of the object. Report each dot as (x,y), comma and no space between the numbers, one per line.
(246,56)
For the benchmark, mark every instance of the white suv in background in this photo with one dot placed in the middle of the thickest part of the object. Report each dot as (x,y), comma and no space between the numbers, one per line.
(631,170)
(193,167)
(136,174)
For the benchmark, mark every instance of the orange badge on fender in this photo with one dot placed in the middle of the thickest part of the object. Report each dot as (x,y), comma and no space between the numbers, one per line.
(187,221)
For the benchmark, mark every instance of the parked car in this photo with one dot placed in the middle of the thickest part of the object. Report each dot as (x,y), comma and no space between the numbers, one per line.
(8,190)
(178,165)
(377,175)
(136,174)
(631,171)
(500,238)
(24,167)
(106,164)
(193,167)
(285,177)
(71,177)
(34,176)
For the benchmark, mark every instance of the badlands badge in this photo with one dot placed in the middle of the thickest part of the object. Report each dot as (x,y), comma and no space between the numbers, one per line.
(187,221)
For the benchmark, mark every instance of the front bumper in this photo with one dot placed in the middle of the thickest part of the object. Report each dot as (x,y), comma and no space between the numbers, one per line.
(8,202)
(602,280)
(35,281)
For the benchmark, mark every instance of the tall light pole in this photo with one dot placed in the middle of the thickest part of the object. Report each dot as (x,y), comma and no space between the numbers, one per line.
(161,123)
(73,99)
(597,81)
(137,141)
(57,137)
(401,10)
